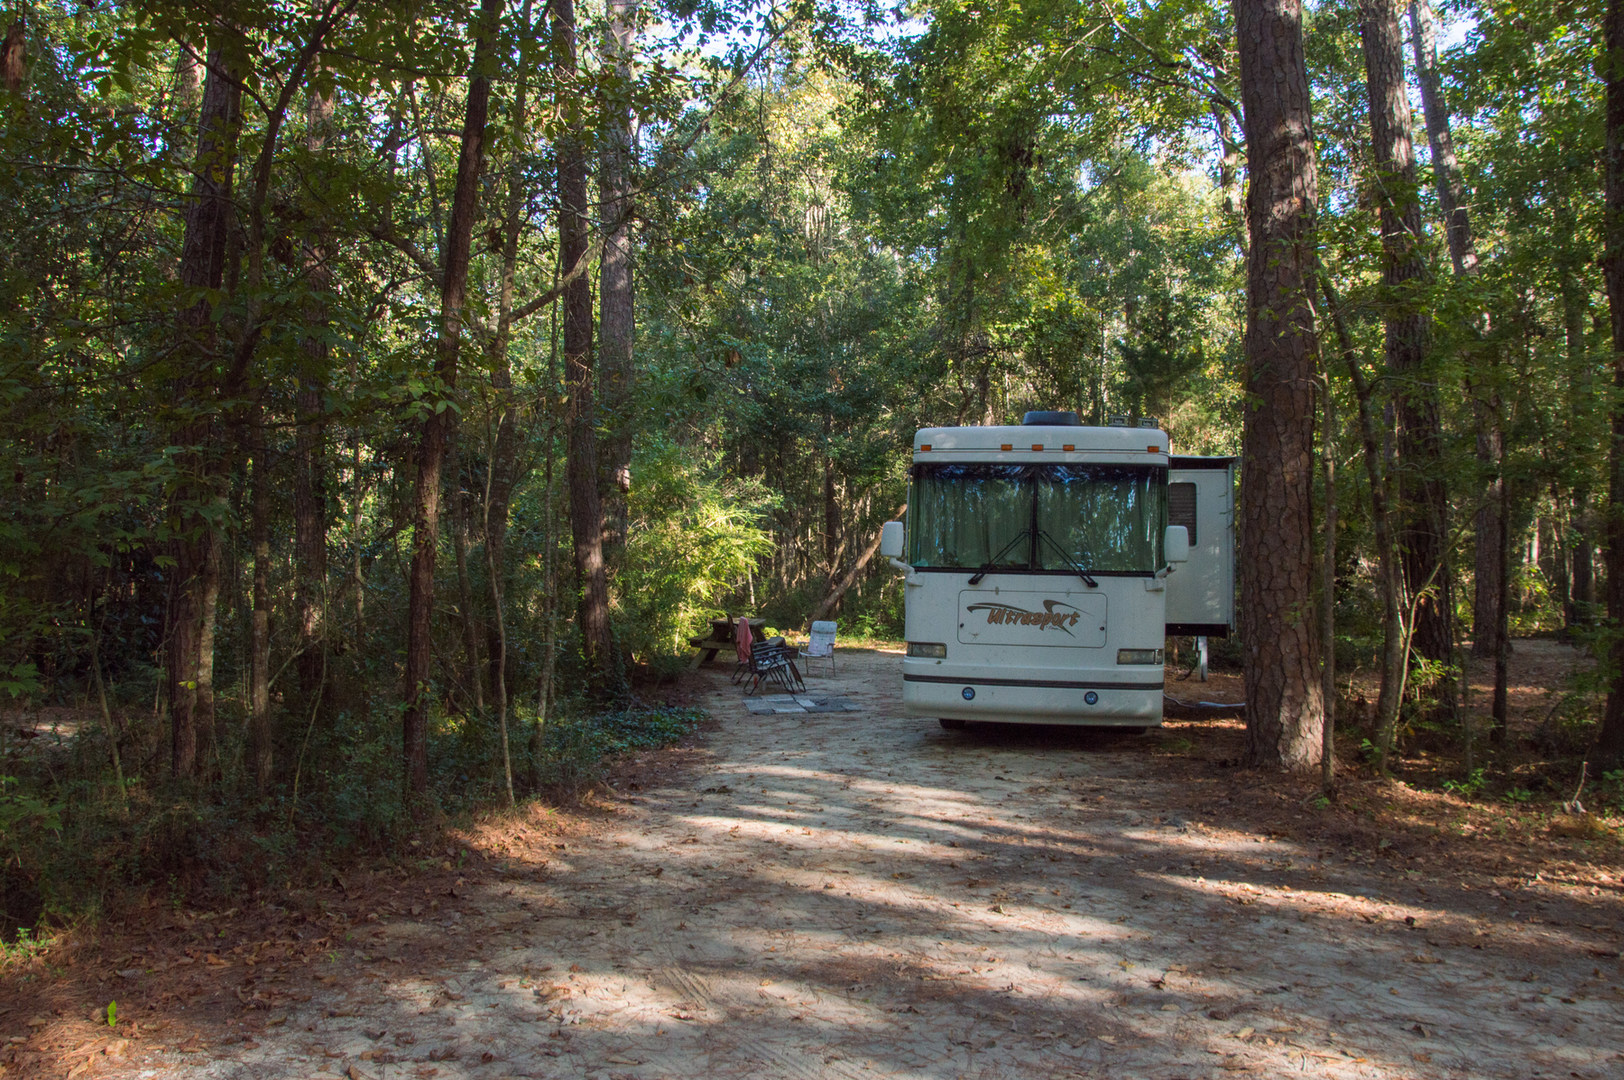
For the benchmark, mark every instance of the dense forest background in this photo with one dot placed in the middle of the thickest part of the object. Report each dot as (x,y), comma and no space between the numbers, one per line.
(390,387)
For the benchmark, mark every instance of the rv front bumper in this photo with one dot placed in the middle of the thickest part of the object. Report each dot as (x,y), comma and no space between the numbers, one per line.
(1039,699)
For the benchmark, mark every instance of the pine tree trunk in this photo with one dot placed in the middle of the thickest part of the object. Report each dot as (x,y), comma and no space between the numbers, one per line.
(309,445)
(1446,172)
(586,510)
(1229,157)
(1284,704)
(831,506)
(260,760)
(549,559)
(1389,576)
(1582,394)
(838,589)
(204,720)
(432,444)
(188,98)
(616,310)
(503,476)
(1488,524)
(1424,511)
(1328,589)
(210,215)
(14,56)
(460,543)
(1610,747)
(1483,390)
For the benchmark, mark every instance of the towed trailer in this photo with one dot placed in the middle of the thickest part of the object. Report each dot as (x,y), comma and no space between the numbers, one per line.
(1047,562)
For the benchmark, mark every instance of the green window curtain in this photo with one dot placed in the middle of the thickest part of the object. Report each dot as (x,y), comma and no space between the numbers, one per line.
(963,515)
(1108,518)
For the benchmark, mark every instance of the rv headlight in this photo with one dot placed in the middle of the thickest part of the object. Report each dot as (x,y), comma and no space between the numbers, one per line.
(930,650)
(1139,656)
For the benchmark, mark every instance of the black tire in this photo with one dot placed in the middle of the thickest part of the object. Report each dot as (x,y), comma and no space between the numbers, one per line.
(951,725)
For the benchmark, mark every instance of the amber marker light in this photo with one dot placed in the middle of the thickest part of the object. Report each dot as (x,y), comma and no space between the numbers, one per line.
(1005,446)
(1153,449)
(1069,447)
(925,447)
(1037,446)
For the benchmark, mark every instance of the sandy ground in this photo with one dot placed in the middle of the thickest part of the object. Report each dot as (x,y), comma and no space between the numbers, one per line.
(861,894)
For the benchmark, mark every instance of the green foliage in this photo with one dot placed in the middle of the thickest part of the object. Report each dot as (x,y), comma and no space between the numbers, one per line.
(569,753)
(695,536)
(1472,785)
(993,208)
(1612,790)
(21,681)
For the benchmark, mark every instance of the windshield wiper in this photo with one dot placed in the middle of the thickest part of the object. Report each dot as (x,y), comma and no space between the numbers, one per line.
(992,564)
(1078,570)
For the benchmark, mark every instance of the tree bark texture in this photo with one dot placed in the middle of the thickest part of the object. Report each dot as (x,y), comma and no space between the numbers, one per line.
(586,510)
(1446,172)
(838,589)
(1284,702)
(1328,589)
(436,425)
(261,762)
(185,105)
(1610,747)
(310,440)
(208,579)
(14,56)
(616,313)
(1502,639)
(1388,576)
(1424,512)
(1486,409)
(1229,158)
(1488,525)
(503,475)
(467,618)
(1582,393)
(831,505)
(194,580)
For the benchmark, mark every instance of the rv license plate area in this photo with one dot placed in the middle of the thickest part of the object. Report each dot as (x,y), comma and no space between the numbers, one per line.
(1045,618)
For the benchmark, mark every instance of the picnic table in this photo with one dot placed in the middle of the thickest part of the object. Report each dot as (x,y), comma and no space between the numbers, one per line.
(721,637)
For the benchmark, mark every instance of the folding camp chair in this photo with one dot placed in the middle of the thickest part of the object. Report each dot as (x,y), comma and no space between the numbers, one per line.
(822,644)
(774,662)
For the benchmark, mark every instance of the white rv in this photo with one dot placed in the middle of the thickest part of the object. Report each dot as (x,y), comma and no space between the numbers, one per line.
(1046,563)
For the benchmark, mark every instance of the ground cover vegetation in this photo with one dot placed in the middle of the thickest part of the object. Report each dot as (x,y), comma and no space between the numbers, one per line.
(390,387)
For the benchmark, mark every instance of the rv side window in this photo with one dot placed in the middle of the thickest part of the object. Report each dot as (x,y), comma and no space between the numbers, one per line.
(1181,507)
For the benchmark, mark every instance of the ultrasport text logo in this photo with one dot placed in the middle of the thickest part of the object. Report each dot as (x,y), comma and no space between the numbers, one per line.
(1054,615)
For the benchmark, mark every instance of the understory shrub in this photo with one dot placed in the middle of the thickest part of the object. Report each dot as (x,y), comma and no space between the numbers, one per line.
(75,847)
(693,538)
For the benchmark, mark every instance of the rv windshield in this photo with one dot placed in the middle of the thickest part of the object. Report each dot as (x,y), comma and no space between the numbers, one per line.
(1103,519)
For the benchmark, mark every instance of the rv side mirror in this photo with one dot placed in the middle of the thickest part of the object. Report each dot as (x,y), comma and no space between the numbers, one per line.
(1176,544)
(891,540)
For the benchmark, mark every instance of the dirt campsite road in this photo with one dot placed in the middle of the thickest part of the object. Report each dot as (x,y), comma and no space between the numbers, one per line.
(857,894)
